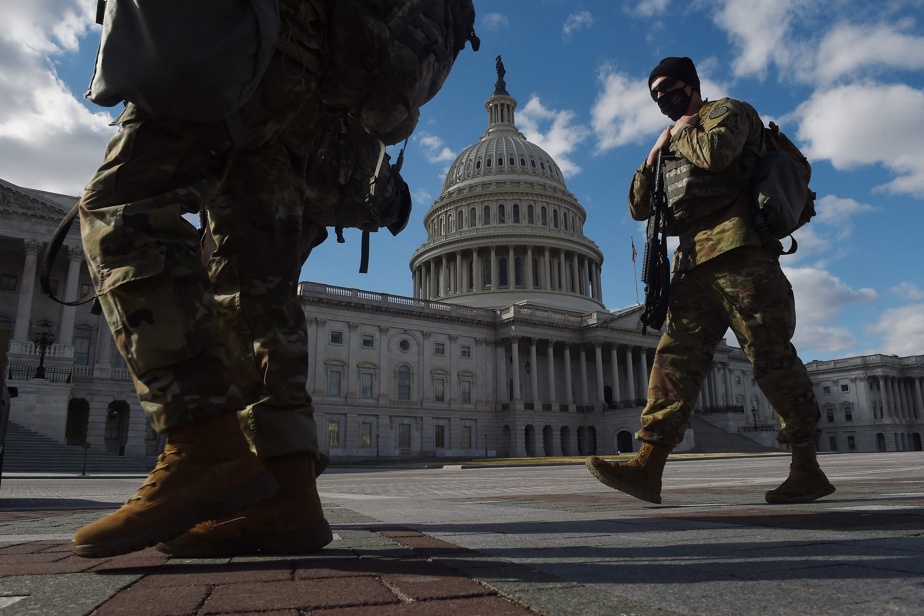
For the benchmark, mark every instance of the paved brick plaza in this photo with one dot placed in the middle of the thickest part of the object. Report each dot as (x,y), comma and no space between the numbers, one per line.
(541,539)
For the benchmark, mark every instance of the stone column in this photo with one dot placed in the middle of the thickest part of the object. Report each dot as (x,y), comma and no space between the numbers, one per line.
(501,392)
(102,363)
(477,270)
(547,283)
(494,283)
(630,375)
(550,358)
(534,374)
(515,367)
(432,286)
(598,358)
(563,276)
(582,361)
(26,291)
(416,283)
(66,330)
(459,279)
(569,396)
(614,365)
(529,268)
(728,388)
(578,279)
(643,362)
(918,399)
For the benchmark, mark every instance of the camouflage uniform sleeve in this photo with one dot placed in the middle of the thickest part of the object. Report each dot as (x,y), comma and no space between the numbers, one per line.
(640,193)
(719,138)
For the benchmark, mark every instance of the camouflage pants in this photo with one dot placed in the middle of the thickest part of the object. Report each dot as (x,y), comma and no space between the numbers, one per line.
(230,336)
(744,289)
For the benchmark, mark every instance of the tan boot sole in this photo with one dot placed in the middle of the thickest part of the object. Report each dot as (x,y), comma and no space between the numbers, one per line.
(265,543)
(260,488)
(598,468)
(779,499)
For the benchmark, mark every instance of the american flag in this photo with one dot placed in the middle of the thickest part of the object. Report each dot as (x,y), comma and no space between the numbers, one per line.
(634,253)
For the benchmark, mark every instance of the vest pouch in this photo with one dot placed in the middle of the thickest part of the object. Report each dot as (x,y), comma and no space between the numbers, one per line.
(196,60)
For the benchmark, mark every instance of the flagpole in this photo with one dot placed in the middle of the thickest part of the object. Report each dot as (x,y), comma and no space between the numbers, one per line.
(634,271)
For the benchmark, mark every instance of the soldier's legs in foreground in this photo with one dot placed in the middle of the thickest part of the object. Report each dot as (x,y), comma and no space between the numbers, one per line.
(763,317)
(155,296)
(260,236)
(695,325)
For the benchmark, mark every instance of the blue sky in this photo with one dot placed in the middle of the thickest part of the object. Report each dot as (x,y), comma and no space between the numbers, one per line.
(844,78)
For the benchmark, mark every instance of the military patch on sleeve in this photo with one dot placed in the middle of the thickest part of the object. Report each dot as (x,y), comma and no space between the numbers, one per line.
(718,112)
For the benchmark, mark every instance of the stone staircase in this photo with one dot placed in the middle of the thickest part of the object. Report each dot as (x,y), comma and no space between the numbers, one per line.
(712,439)
(26,451)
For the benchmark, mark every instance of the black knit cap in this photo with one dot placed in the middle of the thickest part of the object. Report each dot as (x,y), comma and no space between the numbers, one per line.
(678,68)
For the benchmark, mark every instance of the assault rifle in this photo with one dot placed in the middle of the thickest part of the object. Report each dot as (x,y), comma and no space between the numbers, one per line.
(656,269)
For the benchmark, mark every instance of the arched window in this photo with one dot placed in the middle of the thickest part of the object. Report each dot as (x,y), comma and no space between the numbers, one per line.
(501,214)
(461,219)
(486,273)
(502,280)
(472,217)
(516,213)
(544,216)
(451,228)
(518,272)
(555,218)
(535,273)
(404,383)
(488,163)
(442,225)
(486,218)
(529,214)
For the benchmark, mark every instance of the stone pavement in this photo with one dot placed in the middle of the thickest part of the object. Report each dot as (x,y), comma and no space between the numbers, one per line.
(544,539)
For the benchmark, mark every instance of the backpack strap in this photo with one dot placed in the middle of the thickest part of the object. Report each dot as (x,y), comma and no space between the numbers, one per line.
(48,259)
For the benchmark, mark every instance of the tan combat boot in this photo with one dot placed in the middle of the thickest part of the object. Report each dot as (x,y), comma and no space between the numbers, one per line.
(806,481)
(207,470)
(639,477)
(290,522)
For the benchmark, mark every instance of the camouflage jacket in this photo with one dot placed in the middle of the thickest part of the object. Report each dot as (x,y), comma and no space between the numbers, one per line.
(707,182)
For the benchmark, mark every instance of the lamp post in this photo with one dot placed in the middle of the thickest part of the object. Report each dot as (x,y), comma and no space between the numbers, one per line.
(43,339)
(529,369)
(754,415)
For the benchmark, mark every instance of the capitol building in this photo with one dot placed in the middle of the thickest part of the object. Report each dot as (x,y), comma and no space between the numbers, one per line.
(502,348)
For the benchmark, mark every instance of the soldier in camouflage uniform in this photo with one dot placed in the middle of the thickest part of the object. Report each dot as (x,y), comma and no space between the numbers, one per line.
(724,276)
(218,353)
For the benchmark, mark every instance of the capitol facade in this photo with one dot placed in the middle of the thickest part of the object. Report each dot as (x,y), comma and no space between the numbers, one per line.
(503,347)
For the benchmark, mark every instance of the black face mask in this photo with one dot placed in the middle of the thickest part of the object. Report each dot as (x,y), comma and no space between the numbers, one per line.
(675,103)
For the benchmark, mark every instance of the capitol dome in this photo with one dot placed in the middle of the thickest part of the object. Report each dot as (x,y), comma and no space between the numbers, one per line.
(505,229)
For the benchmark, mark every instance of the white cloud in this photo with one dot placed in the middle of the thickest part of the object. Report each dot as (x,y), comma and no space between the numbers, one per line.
(823,339)
(849,49)
(649,8)
(435,148)
(867,124)
(908,291)
(758,28)
(48,139)
(494,21)
(577,21)
(560,139)
(820,295)
(902,330)
(623,113)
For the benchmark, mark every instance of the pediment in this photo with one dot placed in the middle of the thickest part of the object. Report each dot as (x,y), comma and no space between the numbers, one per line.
(16,202)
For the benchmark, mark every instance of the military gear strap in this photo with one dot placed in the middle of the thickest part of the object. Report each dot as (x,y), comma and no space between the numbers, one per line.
(48,258)
(655,264)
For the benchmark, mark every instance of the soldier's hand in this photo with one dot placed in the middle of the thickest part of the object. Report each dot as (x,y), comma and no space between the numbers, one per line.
(663,139)
(687,120)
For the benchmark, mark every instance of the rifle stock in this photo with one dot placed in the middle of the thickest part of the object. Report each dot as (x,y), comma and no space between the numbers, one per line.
(655,265)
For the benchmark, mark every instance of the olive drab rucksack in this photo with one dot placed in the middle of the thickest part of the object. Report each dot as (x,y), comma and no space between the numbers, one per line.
(389,57)
(386,59)
(783,200)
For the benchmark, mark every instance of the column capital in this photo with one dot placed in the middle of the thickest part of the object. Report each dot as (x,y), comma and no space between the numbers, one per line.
(32,247)
(75,253)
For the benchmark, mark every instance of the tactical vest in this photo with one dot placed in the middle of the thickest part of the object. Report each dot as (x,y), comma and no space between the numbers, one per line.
(693,192)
